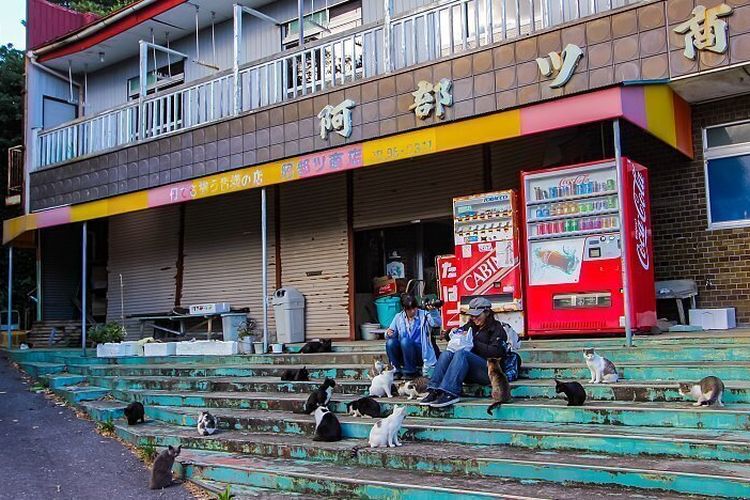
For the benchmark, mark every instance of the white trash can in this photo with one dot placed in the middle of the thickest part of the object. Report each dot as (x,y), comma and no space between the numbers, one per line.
(289,312)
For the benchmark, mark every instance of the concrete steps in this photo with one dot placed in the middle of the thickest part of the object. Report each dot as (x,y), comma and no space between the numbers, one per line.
(679,475)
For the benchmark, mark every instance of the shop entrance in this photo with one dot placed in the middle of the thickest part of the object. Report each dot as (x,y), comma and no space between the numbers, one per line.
(411,247)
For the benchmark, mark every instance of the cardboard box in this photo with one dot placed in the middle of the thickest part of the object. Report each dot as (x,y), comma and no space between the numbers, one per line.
(713,319)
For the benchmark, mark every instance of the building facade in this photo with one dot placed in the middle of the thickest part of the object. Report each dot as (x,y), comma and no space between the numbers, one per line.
(185,134)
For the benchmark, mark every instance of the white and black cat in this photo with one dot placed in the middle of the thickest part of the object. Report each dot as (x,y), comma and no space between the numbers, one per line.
(320,396)
(135,412)
(382,384)
(161,472)
(364,407)
(327,426)
(295,375)
(317,345)
(207,424)
(707,392)
(602,369)
(385,432)
(574,392)
(500,384)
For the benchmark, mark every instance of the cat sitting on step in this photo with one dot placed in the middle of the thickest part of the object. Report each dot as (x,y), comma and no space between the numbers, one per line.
(415,388)
(574,392)
(364,407)
(385,432)
(707,392)
(161,472)
(295,375)
(327,426)
(382,384)
(377,367)
(206,424)
(320,396)
(602,369)
(316,345)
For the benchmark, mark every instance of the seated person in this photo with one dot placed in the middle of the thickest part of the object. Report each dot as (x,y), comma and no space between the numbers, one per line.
(453,368)
(408,342)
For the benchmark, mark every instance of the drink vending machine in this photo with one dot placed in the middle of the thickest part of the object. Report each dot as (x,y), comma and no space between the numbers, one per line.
(572,219)
(486,261)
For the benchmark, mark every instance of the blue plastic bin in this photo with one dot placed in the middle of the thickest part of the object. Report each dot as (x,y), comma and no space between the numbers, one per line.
(387,308)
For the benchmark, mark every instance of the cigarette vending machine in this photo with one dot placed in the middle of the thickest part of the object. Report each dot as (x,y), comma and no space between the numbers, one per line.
(487,256)
(447,276)
(572,220)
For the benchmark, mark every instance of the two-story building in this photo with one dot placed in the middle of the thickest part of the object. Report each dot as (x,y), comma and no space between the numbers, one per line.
(212,150)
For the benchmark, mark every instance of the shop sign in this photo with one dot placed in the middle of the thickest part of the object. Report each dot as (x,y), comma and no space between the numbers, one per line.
(560,65)
(430,96)
(704,30)
(336,119)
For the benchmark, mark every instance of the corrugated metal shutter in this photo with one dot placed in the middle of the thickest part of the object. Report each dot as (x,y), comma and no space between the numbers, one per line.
(314,251)
(419,188)
(61,271)
(143,248)
(222,253)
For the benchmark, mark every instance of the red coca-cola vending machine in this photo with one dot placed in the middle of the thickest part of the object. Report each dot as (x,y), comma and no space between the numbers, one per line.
(572,219)
(487,254)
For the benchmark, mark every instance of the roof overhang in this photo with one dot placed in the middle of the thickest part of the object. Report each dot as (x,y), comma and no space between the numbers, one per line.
(654,108)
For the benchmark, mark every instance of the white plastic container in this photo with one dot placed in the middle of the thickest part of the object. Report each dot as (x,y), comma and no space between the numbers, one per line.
(371,331)
(116,349)
(289,313)
(160,349)
(713,319)
(207,348)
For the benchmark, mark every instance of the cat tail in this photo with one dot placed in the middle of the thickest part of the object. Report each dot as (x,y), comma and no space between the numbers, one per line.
(493,406)
(355,451)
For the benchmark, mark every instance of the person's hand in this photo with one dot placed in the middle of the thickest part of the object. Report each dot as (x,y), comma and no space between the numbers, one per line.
(389,333)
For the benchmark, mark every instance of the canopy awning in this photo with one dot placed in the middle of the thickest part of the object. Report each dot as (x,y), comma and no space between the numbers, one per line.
(654,108)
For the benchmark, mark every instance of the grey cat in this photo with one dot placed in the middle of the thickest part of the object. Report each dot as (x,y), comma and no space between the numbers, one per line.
(161,472)
(707,392)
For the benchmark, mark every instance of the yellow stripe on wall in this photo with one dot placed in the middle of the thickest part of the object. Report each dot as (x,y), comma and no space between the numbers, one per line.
(660,113)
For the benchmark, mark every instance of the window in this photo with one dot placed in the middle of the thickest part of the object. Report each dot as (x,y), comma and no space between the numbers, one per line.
(727,170)
(167,76)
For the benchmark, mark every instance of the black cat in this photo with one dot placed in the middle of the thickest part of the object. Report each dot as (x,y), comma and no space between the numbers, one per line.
(327,426)
(574,391)
(295,375)
(319,397)
(135,412)
(364,407)
(316,346)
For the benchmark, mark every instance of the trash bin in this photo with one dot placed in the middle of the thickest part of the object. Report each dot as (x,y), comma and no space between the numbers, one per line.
(289,313)
(230,322)
(387,308)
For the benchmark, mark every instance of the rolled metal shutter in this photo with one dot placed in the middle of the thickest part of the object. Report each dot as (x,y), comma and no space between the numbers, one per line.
(418,188)
(61,271)
(315,252)
(143,249)
(222,252)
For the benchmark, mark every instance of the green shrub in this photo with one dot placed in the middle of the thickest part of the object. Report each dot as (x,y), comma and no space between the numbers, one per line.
(226,494)
(108,332)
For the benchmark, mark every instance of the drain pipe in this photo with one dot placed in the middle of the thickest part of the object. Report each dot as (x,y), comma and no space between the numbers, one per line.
(623,234)
(10,296)
(264,264)
(84,245)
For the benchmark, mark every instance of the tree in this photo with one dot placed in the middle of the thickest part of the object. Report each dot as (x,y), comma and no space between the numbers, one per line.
(101,7)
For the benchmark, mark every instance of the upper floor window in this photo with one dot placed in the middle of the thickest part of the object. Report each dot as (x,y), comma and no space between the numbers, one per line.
(324,22)
(166,76)
(727,170)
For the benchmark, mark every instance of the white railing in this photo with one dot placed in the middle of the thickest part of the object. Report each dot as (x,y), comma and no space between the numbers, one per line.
(431,33)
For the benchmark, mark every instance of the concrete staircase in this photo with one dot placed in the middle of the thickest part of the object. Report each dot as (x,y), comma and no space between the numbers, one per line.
(638,437)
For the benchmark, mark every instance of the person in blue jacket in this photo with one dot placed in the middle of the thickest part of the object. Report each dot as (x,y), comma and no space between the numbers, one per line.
(408,342)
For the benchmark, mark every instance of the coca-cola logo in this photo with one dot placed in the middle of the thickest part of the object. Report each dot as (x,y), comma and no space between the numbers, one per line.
(572,181)
(641,224)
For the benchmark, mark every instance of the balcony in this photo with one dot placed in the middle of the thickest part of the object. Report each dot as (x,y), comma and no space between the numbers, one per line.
(431,33)
(14,192)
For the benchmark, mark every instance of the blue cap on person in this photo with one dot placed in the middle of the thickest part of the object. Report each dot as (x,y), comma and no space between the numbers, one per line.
(478,305)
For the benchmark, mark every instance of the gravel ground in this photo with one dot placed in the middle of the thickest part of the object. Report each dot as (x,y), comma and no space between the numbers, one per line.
(46,452)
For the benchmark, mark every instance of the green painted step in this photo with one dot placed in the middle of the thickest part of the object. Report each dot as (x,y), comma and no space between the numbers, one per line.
(38,368)
(661,353)
(307,477)
(736,391)
(77,394)
(244,492)
(682,415)
(674,475)
(59,381)
(622,440)
(354,372)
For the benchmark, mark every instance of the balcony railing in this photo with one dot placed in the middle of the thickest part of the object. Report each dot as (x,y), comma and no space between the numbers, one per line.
(426,35)
(14,191)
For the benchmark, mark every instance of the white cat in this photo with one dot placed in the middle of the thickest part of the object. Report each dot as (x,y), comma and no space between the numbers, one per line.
(377,367)
(602,369)
(381,384)
(206,424)
(385,432)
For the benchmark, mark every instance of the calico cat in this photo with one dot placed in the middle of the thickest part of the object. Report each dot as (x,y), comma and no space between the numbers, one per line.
(707,392)
(161,472)
(207,424)
(295,375)
(382,384)
(385,432)
(574,392)
(602,369)
(364,407)
(327,426)
(320,396)
(414,388)
(500,384)
(135,412)
(317,345)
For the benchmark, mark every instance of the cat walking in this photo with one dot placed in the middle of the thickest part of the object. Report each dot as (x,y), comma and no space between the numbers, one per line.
(707,392)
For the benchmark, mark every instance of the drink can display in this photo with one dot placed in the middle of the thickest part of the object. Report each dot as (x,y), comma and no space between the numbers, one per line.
(610,185)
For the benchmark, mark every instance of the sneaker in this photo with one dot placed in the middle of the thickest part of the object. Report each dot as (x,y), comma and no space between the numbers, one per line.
(431,397)
(444,400)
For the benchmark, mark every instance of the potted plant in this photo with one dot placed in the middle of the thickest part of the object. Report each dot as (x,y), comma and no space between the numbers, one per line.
(248,336)
(104,333)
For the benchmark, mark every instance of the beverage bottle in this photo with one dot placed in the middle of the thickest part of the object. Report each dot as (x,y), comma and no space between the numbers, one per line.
(605,223)
(539,212)
(545,211)
(576,227)
(574,208)
(611,185)
(583,207)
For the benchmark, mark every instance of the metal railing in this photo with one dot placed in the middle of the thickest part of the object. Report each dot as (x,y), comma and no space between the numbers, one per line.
(436,31)
(14,192)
